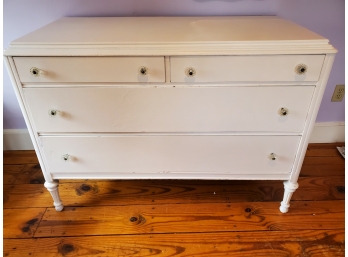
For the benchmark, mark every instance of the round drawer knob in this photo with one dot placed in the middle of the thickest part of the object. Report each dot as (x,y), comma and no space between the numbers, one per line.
(272,156)
(190,72)
(301,69)
(53,112)
(66,157)
(283,111)
(143,71)
(35,72)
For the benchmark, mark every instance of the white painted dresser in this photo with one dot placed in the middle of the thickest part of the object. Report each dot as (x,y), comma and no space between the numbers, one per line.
(170,97)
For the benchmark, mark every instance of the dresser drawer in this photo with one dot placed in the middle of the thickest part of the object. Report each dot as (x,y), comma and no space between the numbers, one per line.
(246,68)
(90,69)
(170,154)
(210,109)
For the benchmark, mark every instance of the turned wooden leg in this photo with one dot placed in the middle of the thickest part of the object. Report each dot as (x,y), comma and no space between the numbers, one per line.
(290,188)
(52,187)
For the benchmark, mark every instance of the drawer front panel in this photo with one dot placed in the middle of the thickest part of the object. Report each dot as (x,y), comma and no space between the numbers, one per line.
(90,69)
(245,68)
(170,154)
(107,109)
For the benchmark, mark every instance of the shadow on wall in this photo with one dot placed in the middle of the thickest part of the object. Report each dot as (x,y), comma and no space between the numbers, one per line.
(7,116)
(12,116)
(227,1)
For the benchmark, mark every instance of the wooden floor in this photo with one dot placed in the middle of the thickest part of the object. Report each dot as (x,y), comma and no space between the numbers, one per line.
(173,217)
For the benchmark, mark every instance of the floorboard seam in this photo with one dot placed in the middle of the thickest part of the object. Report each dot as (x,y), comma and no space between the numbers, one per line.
(37,227)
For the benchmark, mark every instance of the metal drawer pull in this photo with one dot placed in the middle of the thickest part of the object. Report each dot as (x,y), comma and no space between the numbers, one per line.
(35,71)
(66,157)
(143,70)
(301,69)
(283,111)
(53,112)
(190,72)
(272,156)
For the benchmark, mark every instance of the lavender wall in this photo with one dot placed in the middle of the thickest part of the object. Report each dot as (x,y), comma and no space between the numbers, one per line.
(324,17)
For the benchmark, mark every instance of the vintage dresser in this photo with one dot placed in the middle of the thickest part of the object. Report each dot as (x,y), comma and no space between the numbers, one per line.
(170,97)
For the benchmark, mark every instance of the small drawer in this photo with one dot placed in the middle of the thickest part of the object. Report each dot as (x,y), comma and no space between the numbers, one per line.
(136,154)
(90,69)
(246,68)
(190,109)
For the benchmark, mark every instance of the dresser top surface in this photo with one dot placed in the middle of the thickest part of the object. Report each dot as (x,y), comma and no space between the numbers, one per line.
(110,30)
(168,31)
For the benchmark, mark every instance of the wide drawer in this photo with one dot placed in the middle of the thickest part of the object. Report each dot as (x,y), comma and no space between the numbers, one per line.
(200,109)
(137,154)
(90,69)
(246,68)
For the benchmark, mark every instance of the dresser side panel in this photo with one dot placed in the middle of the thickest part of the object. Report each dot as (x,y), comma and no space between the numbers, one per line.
(17,86)
(313,111)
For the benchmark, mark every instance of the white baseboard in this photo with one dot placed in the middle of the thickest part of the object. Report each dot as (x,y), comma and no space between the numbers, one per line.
(326,132)
(17,139)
